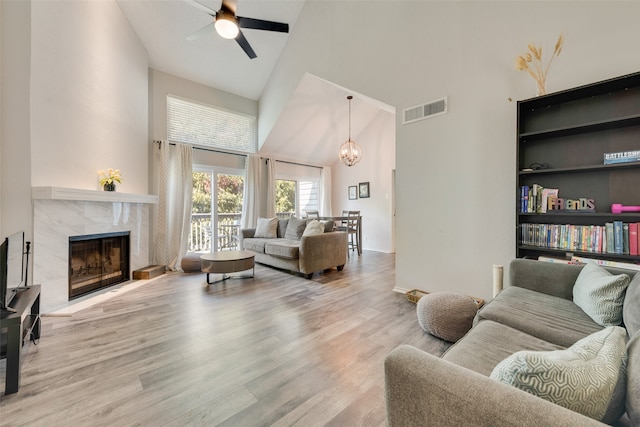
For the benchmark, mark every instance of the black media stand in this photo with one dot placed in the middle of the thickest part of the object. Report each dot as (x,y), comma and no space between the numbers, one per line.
(23,323)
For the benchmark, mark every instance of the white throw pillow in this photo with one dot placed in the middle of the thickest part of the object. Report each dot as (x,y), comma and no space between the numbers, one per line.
(582,378)
(313,227)
(267,228)
(601,294)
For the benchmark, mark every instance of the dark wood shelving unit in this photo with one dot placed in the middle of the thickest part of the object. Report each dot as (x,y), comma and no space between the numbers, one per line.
(569,132)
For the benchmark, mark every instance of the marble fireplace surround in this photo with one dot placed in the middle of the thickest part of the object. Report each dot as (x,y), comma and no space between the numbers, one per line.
(62,212)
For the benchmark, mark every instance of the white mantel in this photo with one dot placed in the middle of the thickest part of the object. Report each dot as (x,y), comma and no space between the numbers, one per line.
(60,193)
(63,212)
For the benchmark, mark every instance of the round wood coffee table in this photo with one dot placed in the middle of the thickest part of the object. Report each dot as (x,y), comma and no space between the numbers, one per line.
(224,262)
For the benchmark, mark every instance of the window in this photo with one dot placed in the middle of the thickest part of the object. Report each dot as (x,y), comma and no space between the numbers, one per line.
(198,124)
(215,218)
(297,189)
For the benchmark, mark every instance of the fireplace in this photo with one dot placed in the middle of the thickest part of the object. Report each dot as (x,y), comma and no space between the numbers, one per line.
(97,261)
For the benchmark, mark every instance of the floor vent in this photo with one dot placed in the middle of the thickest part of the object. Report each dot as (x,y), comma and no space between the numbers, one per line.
(421,112)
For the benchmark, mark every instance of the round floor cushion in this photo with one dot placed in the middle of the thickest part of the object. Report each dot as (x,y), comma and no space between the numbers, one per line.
(446,315)
(191,262)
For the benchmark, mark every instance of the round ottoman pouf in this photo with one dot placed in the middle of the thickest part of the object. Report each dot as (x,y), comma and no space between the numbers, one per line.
(446,315)
(191,262)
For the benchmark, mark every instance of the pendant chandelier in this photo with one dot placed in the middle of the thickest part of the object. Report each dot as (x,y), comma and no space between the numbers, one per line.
(350,153)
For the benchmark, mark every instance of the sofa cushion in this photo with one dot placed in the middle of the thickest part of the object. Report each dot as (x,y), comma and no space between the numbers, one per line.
(550,318)
(282,227)
(633,379)
(267,228)
(295,228)
(600,294)
(254,244)
(313,227)
(489,343)
(283,248)
(631,308)
(328,225)
(581,378)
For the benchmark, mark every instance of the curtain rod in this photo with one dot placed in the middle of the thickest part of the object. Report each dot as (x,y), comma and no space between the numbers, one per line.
(300,164)
(195,147)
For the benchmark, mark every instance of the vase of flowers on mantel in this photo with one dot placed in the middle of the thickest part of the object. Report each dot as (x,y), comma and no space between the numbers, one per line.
(109,178)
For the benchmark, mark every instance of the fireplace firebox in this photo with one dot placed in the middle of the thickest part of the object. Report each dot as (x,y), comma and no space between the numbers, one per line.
(97,261)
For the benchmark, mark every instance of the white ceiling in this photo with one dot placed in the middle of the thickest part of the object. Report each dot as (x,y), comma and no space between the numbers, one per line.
(316,113)
(163,28)
(316,117)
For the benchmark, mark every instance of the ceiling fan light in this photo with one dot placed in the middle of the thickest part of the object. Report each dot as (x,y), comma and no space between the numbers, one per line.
(226,26)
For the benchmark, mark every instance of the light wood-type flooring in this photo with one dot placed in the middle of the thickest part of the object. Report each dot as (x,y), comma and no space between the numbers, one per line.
(277,350)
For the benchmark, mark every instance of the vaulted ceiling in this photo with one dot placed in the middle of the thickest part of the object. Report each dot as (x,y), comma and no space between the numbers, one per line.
(315,120)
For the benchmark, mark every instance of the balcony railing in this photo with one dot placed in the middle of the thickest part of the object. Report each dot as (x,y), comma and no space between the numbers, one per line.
(228,230)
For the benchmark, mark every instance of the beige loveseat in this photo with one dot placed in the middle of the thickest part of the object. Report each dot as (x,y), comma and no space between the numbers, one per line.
(291,250)
(539,312)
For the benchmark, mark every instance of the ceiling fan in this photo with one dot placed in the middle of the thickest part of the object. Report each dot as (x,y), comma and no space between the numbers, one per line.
(227,24)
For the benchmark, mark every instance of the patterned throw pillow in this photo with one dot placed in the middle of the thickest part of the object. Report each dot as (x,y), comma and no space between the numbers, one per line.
(582,378)
(267,228)
(600,294)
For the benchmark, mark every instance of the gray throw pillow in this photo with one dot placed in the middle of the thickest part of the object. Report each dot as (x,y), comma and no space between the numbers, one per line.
(266,228)
(582,378)
(600,294)
(295,228)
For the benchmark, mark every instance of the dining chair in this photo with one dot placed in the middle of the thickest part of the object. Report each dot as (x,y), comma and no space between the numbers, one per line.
(350,225)
(312,214)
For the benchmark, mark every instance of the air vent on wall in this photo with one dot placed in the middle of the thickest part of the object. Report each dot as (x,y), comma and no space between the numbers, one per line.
(421,112)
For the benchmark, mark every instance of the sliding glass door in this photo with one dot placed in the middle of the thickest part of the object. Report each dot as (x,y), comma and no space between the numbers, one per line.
(217,207)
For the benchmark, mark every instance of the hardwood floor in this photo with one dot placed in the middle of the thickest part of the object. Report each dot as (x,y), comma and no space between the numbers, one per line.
(277,350)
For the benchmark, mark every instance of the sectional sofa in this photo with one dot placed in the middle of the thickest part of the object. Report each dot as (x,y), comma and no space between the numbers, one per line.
(544,352)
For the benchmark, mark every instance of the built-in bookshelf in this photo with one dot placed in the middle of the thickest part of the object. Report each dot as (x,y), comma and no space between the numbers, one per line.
(565,187)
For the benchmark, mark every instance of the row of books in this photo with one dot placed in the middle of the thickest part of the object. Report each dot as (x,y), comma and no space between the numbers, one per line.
(535,199)
(615,237)
(579,260)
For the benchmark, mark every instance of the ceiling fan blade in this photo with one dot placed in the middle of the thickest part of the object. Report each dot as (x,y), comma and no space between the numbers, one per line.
(201,6)
(259,24)
(207,29)
(244,44)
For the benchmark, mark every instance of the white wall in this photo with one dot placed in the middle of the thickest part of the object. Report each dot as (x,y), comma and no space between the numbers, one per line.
(15,149)
(89,96)
(456,172)
(378,161)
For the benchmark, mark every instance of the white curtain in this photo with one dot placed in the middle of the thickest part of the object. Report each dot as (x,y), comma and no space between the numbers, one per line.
(251,194)
(175,188)
(259,197)
(325,192)
(270,187)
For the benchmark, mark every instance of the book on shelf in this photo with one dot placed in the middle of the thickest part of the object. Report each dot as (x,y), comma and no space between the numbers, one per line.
(633,238)
(617,237)
(622,157)
(606,263)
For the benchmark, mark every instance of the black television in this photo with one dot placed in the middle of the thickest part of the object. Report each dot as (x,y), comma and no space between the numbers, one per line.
(12,270)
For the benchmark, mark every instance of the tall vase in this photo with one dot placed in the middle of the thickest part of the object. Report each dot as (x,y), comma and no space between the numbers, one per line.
(109,186)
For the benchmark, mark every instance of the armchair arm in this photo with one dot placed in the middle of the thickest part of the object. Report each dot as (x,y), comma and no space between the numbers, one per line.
(423,390)
(244,234)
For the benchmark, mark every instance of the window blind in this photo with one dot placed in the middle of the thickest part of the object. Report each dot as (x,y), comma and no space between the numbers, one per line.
(193,123)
